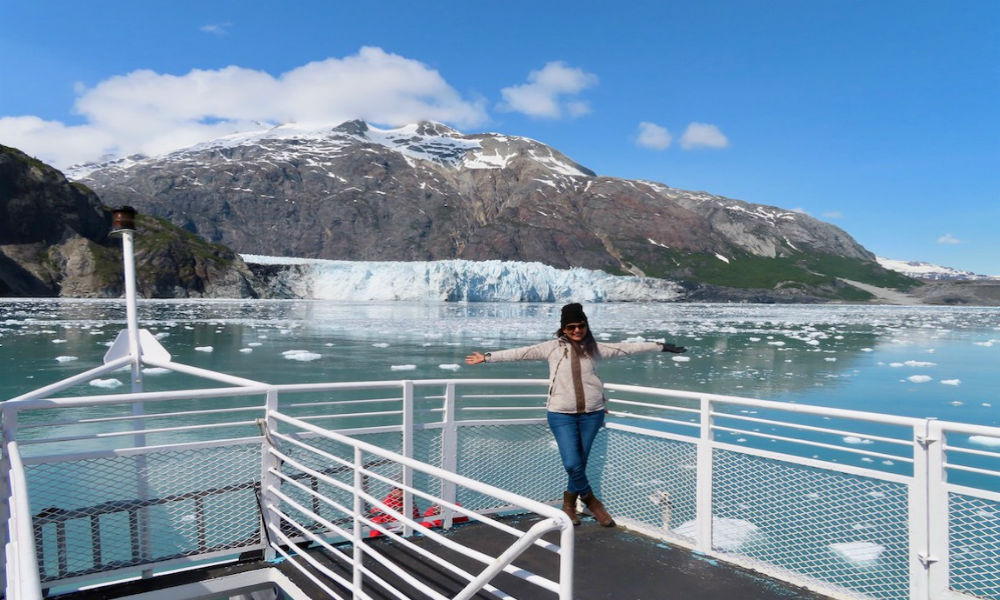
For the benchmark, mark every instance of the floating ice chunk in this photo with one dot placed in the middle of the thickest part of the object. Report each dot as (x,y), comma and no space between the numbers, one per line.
(895,364)
(951,381)
(449,367)
(301,355)
(985,440)
(867,350)
(956,403)
(983,344)
(727,534)
(403,367)
(381,345)
(162,335)
(919,363)
(877,494)
(246,350)
(204,348)
(813,342)
(681,358)
(154,371)
(254,344)
(853,439)
(63,359)
(919,378)
(754,339)
(830,359)
(776,343)
(106,383)
(859,553)
(58,341)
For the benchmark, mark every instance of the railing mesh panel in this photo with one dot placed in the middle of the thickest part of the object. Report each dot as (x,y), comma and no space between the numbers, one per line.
(522,459)
(847,531)
(650,480)
(93,515)
(974,545)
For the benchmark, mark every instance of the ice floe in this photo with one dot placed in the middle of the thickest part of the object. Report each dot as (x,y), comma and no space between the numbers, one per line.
(301,355)
(728,535)
(154,371)
(449,367)
(853,439)
(204,348)
(402,367)
(859,553)
(951,381)
(63,359)
(985,440)
(919,378)
(106,383)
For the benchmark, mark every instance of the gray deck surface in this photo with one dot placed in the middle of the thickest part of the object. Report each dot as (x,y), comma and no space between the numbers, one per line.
(611,563)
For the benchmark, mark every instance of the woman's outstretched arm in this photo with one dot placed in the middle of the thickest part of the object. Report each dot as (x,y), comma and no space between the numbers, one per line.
(475,358)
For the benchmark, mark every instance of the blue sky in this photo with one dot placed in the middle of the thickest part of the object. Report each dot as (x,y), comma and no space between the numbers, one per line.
(878,116)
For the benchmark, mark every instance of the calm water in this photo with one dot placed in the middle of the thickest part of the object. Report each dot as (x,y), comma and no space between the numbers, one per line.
(914,361)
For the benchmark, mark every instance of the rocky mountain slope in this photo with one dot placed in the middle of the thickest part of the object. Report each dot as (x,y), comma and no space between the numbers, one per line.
(54,242)
(427,192)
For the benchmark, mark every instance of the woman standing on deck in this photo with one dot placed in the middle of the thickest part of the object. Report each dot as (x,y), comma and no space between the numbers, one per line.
(576,404)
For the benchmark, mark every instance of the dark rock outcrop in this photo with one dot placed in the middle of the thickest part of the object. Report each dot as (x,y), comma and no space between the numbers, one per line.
(54,242)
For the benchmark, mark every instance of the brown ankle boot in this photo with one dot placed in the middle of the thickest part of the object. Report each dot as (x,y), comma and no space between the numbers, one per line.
(569,507)
(597,509)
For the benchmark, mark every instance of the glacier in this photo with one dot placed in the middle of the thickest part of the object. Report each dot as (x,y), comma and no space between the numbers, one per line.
(459,281)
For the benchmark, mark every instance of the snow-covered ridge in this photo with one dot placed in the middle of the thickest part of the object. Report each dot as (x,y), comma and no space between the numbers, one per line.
(460,280)
(923,270)
(427,141)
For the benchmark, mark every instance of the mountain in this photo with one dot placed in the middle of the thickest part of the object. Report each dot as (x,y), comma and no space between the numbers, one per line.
(426,192)
(54,242)
(929,271)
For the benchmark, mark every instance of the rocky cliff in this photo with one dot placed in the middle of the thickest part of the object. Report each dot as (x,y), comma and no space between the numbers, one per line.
(54,242)
(427,192)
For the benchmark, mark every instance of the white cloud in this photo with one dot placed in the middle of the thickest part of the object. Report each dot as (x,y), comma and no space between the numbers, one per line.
(544,94)
(653,136)
(703,135)
(949,239)
(216,28)
(151,113)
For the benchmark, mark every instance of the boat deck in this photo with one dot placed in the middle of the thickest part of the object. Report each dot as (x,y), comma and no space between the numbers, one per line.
(611,563)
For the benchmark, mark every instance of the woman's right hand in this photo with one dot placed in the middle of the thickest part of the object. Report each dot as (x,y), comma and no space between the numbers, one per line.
(475,358)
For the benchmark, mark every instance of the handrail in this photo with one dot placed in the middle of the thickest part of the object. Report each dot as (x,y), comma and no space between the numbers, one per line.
(22,557)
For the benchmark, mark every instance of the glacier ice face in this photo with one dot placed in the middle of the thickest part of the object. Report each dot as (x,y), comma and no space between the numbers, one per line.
(462,280)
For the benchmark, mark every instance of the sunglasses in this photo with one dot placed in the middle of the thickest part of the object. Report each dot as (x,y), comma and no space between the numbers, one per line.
(575,326)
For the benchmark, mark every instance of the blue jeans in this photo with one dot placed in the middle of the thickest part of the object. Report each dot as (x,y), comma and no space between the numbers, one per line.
(575,435)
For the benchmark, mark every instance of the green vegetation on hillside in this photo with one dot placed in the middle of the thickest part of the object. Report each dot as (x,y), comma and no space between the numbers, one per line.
(810,272)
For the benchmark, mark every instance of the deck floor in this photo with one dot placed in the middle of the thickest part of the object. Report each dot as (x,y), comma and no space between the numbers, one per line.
(611,563)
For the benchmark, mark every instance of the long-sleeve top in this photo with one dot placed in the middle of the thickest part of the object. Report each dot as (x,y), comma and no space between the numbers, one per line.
(562,394)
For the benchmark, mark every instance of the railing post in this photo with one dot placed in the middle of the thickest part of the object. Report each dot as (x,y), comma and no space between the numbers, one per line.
(449,450)
(8,434)
(268,463)
(919,514)
(357,554)
(703,505)
(938,562)
(407,451)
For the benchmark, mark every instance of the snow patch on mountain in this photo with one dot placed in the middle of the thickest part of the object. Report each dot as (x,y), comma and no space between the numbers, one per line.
(924,270)
(461,280)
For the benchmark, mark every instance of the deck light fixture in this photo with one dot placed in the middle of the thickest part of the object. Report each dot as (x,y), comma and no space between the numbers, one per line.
(122,219)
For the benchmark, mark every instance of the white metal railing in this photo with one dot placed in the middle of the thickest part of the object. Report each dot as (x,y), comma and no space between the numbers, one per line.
(850,503)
